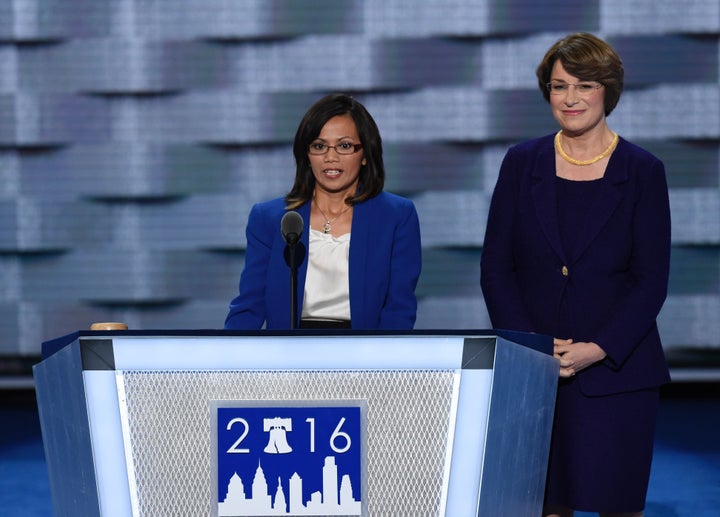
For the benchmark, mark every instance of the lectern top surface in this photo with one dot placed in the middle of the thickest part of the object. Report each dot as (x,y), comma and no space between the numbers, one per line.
(537,342)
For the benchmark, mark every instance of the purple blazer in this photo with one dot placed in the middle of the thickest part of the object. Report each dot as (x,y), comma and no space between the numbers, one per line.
(614,281)
(384,263)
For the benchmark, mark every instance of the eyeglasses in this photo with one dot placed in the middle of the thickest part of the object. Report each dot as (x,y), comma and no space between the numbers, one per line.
(341,148)
(582,89)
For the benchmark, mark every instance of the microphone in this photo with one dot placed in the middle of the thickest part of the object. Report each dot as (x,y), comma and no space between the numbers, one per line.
(291,227)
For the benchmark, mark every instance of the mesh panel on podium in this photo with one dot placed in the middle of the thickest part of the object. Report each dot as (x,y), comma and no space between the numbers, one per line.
(408,430)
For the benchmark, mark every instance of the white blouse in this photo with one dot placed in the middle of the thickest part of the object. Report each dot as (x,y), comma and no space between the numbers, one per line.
(327,284)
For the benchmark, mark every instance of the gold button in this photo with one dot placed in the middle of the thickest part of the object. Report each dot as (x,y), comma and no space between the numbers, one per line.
(565,271)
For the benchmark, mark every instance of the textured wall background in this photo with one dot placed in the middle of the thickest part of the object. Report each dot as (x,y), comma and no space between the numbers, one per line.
(136,134)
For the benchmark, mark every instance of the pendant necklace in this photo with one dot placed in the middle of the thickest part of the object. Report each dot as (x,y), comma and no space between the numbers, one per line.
(567,158)
(327,227)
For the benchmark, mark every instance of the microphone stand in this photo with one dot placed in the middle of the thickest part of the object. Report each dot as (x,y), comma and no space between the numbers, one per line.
(294,255)
(293,283)
(291,227)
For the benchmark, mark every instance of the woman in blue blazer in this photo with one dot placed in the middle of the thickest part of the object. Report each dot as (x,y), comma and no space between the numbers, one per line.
(364,253)
(578,247)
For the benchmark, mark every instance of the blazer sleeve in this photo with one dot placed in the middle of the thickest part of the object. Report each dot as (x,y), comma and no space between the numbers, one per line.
(501,291)
(247,310)
(399,310)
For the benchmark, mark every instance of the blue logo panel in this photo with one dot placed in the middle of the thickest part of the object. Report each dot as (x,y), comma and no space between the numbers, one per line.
(289,460)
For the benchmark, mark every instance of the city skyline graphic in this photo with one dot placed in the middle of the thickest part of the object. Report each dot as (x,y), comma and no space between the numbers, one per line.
(334,499)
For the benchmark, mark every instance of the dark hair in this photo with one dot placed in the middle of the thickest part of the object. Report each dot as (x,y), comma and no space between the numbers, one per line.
(588,58)
(372,175)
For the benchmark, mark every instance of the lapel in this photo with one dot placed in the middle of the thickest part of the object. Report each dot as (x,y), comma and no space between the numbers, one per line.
(545,199)
(304,212)
(360,248)
(608,198)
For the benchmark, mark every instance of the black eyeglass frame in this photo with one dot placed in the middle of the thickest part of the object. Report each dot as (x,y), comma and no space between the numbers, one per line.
(355,148)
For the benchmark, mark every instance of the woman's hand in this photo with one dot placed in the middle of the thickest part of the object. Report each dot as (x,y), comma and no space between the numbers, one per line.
(575,357)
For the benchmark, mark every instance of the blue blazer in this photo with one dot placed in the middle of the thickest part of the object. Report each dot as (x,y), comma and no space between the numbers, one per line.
(384,267)
(615,280)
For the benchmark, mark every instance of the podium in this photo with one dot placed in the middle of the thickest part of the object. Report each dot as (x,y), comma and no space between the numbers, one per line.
(424,423)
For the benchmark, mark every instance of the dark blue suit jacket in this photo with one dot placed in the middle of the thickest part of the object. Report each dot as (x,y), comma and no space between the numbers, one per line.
(384,267)
(614,281)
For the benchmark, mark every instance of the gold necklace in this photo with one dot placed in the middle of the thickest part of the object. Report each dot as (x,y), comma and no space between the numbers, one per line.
(327,227)
(610,149)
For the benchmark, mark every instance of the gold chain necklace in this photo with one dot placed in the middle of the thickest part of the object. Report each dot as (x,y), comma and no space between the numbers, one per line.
(610,149)
(327,227)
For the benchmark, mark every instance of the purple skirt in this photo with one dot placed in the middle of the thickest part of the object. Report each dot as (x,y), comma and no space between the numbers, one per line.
(601,450)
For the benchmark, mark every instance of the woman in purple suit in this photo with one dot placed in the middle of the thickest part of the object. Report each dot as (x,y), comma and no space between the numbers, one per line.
(578,247)
(364,254)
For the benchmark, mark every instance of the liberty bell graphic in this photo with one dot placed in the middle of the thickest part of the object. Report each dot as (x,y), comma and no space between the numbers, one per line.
(277,442)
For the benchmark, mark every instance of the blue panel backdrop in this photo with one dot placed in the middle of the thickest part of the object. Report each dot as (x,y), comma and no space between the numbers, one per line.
(136,135)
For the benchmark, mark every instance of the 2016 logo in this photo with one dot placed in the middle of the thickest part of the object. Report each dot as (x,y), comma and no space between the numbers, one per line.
(289,460)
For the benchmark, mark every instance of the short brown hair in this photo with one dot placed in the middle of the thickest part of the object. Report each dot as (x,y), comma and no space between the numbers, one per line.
(588,58)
